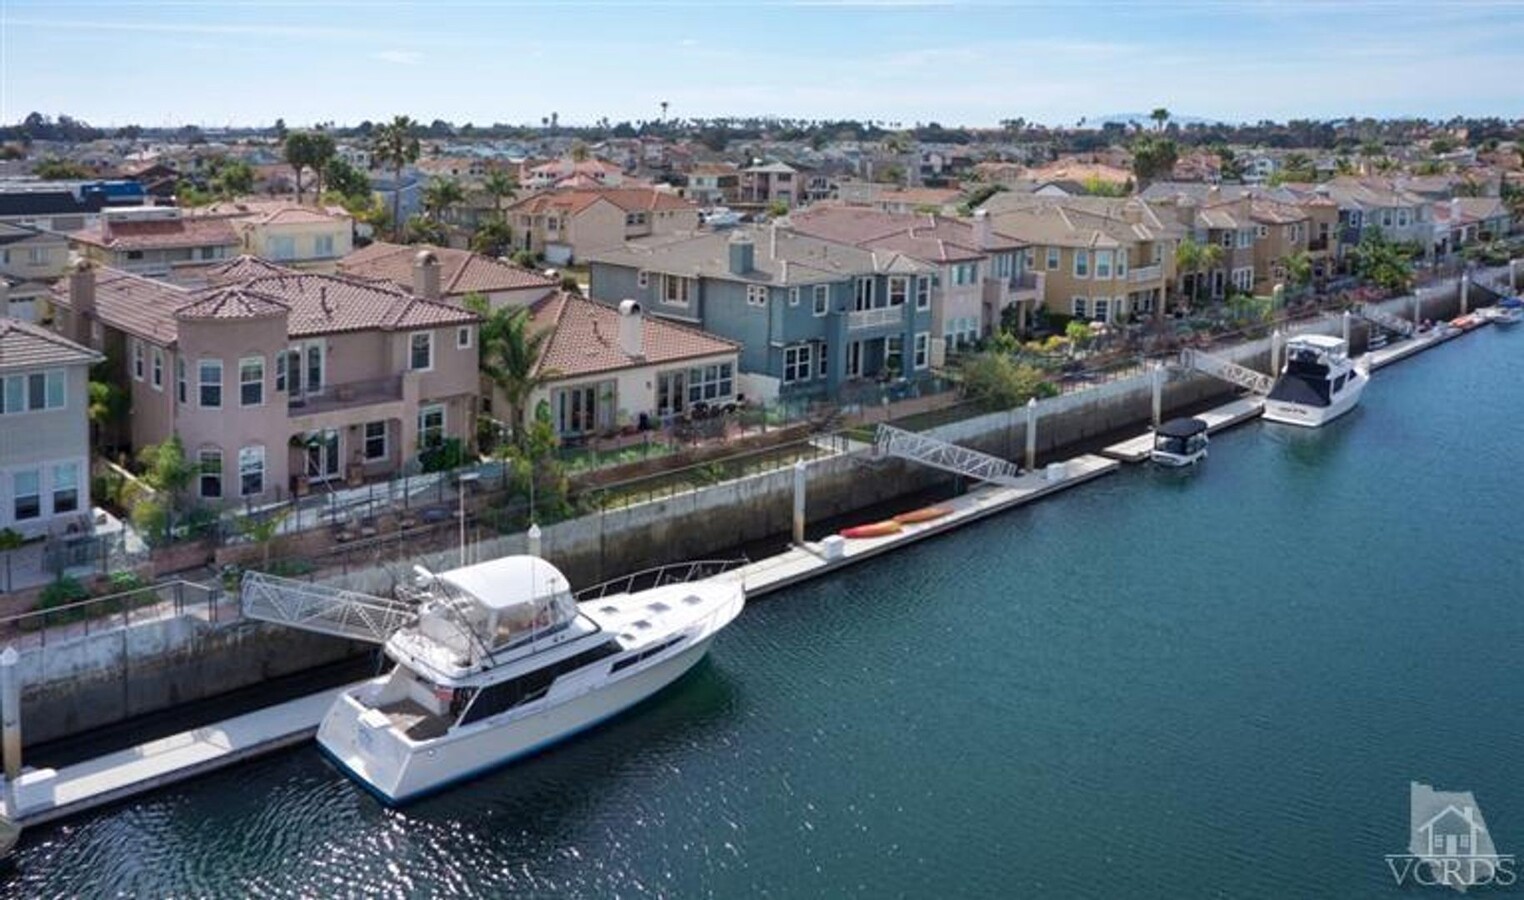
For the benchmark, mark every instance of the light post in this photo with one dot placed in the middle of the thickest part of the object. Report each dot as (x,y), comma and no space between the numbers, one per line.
(461,481)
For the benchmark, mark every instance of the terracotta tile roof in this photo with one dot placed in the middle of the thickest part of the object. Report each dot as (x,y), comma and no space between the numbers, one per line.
(244,267)
(934,238)
(585,338)
(160,234)
(24,346)
(1270,212)
(316,304)
(629,199)
(460,271)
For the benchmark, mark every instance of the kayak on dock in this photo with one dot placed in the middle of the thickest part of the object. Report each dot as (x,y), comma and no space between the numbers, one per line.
(924,514)
(877,529)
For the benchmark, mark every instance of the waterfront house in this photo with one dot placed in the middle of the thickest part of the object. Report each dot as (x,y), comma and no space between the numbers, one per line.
(44,430)
(1369,205)
(565,224)
(1463,221)
(1102,259)
(587,172)
(311,238)
(460,273)
(1281,230)
(610,368)
(714,184)
(154,241)
(276,379)
(767,183)
(980,273)
(810,315)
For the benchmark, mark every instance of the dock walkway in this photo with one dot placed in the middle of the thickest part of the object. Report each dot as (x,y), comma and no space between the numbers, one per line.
(44,795)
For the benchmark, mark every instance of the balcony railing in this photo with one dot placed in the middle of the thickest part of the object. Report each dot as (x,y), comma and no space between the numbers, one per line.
(345,396)
(1145,273)
(1317,245)
(875,318)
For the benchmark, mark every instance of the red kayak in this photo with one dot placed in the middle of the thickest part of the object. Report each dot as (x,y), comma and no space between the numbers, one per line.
(877,529)
(924,514)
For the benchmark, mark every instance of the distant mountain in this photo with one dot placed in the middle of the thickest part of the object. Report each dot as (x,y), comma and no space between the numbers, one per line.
(1143,119)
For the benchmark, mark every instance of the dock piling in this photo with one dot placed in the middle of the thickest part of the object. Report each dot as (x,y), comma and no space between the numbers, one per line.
(1156,379)
(10,716)
(1513,276)
(800,470)
(1031,434)
(1418,302)
(1346,327)
(1277,344)
(1465,289)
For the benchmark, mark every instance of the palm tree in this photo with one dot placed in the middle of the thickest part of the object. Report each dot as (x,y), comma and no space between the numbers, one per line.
(510,356)
(396,145)
(261,529)
(579,152)
(1160,116)
(501,186)
(441,196)
(1298,269)
(1196,259)
(664,112)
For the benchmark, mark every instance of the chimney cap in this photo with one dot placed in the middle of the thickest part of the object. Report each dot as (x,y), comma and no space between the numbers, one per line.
(79,263)
(629,307)
(426,257)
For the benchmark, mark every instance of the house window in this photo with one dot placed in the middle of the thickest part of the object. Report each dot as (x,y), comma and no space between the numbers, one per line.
(1002,265)
(1227,239)
(643,279)
(210,478)
(55,388)
(251,381)
(1386,218)
(1245,238)
(756,295)
(711,382)
(431,426)
(1052,258)
(923,293)
(822,299)
(282,247)
(421,351)
(322,245)
(375,441)
(922,349)
(1077,307)
(1121,263)
(25,489)
(796,363)
(1103,264)
(822,361)
(463,337)
(1082,264)
(209,378)
(1402,218)
(899,290)
(1102,309)
(1264,231)
(137,360)
(965,273)
(793,296)
(65,488)
(180,389)
(674,290)
(251,471)
(864,296)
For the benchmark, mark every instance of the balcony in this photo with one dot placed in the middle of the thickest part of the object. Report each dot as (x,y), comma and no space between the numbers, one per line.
(1145,274)
(1317,245)
(349,395)
(875,318)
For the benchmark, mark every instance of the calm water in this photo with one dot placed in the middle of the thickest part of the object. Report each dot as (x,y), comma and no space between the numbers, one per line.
(1163,685)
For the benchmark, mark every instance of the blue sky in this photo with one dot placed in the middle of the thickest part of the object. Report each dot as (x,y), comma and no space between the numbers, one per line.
(159,62)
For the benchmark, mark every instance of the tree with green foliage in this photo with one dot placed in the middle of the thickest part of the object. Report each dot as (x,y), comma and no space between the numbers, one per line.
(301,151)
(441,196)
(1196,259)
(396,146)
(502,187)
(10,539)
(166,470)
(1383,263)
(999,380)
(493,237)
(54,169)
(233,178)
(1153,158)
(108,404)
(425,230)
(1298,270)
(510,355)
(261,529)
(1160,117)
(348,182)
(777,209)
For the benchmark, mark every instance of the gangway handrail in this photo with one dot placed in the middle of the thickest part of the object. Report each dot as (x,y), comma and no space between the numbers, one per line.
(1227,370)
(322,608)
(939,454)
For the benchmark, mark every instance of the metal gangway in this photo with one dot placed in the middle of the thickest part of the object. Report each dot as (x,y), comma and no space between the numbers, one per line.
(1227,370)
(1385,319)
(323,609)
(891,441)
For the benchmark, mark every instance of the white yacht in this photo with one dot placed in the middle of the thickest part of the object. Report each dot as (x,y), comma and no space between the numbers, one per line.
(502,661)
(1318,383)
(1180,442)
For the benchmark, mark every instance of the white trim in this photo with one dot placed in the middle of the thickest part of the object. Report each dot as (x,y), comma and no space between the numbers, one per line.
(245,361)
(463,337)
(411,338)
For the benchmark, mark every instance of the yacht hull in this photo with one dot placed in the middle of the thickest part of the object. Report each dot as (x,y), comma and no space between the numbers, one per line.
(1311,416)
(398,770)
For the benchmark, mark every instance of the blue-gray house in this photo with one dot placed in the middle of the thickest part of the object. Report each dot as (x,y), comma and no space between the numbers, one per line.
(812,315)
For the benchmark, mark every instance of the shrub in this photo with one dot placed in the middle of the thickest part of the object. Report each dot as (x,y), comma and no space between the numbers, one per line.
(122,582)
(447,454)
(62,592)
(1002,382)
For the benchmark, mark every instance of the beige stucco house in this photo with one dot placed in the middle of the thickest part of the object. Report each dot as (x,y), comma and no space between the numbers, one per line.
(155,241)
(460,273)
(309,238)
(565,224)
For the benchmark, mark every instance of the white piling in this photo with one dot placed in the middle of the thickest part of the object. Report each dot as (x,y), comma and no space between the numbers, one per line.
(534,539)
(800,470)
(1031,434)
(1277,344)
(10,717)
(1346,327)
(1418,303)
(1465,289)
(1156,377)
(1513,276)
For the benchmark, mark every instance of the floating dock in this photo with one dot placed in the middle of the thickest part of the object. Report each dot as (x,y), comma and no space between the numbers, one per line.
(43,795)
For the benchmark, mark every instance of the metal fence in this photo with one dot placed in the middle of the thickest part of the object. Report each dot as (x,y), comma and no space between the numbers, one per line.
(112,611)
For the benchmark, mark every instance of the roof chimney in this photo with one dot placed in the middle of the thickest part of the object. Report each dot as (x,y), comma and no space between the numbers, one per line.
(772,241)
(5,298)
(984,233)
(631,330)
(82,300)
(426,275)
(743,253)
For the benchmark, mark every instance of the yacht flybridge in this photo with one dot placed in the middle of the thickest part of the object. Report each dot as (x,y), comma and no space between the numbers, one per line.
(502,661)
(1318,383)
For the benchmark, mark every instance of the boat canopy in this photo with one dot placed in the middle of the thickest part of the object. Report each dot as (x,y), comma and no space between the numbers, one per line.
(508,599)
(1181,428)
(1511,303)
(1323,343)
